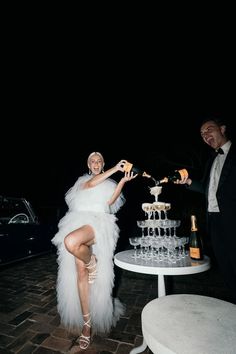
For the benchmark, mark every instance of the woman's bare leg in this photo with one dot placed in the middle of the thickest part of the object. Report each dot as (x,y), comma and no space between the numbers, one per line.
(78,243)
(83,286)
(83,290)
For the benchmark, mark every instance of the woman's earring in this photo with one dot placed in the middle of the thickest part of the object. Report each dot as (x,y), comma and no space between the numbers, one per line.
(90,172)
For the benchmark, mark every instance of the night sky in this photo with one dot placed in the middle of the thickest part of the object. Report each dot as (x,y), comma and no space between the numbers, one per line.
(136,96)
(42,159)
(47,135)
(58,92)
(50,125)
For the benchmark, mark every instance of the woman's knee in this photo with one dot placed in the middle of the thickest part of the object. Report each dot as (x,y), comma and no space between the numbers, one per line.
(70,243)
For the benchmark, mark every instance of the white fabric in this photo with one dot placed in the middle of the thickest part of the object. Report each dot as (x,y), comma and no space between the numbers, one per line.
(189,324)
(89,206)
(215,177)
(213,185)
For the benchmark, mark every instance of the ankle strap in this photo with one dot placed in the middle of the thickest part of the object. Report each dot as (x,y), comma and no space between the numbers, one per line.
(88,322)
(88,314)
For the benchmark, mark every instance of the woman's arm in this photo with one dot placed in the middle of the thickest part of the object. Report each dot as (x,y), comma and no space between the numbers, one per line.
(127,177)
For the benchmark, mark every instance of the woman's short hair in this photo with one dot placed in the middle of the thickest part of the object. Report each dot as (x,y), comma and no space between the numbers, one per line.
(95,153)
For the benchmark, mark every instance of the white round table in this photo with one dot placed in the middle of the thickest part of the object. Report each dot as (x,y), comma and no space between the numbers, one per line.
(189,324)
(161,268)
(181,267)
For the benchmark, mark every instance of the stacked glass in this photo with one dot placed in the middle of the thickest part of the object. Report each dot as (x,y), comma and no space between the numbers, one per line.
(158,241)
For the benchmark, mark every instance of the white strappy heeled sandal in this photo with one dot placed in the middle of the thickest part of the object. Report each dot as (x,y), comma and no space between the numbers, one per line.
(92,269)
(84,341)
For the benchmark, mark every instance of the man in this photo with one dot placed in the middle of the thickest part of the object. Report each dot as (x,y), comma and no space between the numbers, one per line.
(219,186)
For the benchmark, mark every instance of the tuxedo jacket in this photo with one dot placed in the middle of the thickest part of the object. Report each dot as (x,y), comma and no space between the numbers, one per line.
(226,191)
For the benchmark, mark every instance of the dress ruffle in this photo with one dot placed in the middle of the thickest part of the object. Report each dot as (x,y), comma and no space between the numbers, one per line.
(105,311)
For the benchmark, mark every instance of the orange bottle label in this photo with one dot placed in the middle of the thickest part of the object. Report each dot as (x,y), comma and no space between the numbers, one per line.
(183,173)
(128,166)
(194,253)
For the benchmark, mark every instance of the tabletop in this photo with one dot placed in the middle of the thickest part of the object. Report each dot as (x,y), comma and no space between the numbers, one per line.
(183,266)
(189,324)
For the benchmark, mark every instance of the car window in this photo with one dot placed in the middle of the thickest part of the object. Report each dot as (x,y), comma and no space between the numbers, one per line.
(13,210)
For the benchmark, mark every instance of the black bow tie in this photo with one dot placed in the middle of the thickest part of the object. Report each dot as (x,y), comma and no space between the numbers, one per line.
(220,151)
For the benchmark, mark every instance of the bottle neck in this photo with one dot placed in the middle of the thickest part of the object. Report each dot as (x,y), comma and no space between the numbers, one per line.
(164,180)
(193,223)
(145,174)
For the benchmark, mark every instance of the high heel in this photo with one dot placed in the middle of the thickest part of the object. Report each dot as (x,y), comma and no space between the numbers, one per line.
(84,341)
(92,269)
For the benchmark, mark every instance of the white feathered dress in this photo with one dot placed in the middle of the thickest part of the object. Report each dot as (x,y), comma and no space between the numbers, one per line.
(89,206)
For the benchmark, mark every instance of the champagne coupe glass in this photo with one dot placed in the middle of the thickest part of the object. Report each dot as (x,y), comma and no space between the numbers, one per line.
(142,225)
(176,223)
(180,245)
(167,207)
(172,244)
(135,241)
(155,191)
(159,207)
(144,243)
(148,209)
(186,243)
(157,210)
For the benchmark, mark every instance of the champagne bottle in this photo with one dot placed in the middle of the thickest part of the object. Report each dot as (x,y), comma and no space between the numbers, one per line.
(178,174)
(195,242)
(129,167)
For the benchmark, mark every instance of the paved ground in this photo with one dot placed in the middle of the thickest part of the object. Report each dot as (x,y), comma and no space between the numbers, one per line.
(29,322)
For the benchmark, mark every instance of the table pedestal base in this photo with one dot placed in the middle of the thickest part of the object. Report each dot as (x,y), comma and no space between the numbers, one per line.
(139,349)
(161,285)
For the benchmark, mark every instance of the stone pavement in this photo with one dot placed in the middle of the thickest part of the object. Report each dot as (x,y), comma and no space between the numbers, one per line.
(29,322)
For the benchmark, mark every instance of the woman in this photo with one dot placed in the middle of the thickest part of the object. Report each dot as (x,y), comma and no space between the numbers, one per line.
(86,241)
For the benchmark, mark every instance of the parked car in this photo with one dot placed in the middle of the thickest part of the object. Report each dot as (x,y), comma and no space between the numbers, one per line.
(22,234)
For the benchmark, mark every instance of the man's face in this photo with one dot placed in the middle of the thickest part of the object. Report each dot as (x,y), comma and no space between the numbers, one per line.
(212,134)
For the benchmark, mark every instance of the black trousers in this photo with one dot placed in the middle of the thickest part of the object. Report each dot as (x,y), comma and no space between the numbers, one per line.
(223,244)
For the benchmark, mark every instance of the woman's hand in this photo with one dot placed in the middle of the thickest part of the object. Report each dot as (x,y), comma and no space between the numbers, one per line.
(184,180)
(120,166)
(128,176)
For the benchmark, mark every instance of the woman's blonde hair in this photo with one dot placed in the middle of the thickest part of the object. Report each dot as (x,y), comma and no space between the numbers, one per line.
(95,153)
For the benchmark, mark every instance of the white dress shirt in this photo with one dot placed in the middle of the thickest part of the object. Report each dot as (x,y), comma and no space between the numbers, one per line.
(215,177)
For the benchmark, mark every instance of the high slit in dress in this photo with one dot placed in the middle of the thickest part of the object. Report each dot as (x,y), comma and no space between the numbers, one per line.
(89,206)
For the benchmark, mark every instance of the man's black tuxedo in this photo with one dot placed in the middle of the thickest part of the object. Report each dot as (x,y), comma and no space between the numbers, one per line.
(222,225)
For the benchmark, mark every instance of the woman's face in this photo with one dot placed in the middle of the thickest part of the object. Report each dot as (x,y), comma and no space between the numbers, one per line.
(96,164)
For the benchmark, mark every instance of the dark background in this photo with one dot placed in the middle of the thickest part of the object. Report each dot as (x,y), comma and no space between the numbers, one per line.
(44,155)
(60,103)
(132,87)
